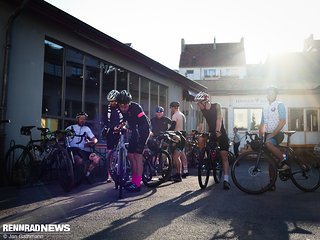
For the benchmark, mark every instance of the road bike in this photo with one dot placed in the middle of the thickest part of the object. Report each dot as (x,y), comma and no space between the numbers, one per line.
(118,159)
(158,162)
(256,171)
(23,168)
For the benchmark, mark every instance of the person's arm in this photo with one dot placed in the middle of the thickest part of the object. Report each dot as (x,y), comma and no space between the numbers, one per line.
(173,123)
(219,120)
(91,139)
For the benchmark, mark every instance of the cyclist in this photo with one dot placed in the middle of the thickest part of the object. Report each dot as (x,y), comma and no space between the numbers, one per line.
(139,124)
(272,122)
(80,146)
(213,116)
(160,123)
(179,157)
(112,119)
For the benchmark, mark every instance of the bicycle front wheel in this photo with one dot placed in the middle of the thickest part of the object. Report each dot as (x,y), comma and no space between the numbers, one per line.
(204,169)
(157,169)
(217,169)
(18,165)
(305,174)
(65,170)
(252,175)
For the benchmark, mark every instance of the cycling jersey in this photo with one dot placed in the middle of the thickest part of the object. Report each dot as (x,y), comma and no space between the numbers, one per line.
(160,125)
(80,130)
(139,124)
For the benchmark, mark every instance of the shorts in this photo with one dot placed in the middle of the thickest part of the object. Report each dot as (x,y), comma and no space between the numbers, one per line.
(276,140)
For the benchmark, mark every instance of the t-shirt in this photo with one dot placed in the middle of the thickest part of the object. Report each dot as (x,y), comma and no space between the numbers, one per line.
(79,130)
(272,114)
(159,125)
(180,120)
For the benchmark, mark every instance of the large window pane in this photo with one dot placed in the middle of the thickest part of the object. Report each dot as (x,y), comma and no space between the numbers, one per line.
(92,83)
(144,101)
(296,119)
(247,119)
(74,83)
(134,87)
(153,97)
(122,79)
(163,96)
(312,120)
(52,79)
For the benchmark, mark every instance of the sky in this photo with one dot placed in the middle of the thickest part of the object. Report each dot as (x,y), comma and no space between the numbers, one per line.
(155,28)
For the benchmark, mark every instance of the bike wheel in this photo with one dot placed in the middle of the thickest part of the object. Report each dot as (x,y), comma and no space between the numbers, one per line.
(65,170)
(122,171)
(252,176)
(217,169)
(305,174)
(204,168)
(18,165)
(113,162)
(157,169)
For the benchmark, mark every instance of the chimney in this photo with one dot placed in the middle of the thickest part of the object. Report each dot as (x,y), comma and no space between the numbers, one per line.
(214,43)
(183,46)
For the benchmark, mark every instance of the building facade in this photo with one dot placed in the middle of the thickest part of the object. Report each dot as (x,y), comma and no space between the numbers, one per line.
(242,96)
(55,65)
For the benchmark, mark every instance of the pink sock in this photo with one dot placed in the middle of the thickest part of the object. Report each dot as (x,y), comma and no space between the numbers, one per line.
(133,178)
(138,181)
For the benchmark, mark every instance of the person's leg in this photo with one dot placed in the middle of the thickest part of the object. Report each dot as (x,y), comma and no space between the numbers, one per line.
(177,162)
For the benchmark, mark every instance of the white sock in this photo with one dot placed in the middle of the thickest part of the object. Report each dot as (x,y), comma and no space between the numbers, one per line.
(88,174)
(226,178)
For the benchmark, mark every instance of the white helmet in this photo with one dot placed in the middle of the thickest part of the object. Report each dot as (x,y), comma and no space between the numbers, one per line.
(112,95)
(202,97)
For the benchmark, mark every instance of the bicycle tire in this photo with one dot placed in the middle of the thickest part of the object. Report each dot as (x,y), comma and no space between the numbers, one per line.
(65,170)
(122,171)
(204,169)
(112,159)
(18,165)
(249,179)
(156,173)
(217,169)
(305,174)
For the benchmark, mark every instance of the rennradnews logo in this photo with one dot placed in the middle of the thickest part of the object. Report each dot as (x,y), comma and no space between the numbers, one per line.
(35,228)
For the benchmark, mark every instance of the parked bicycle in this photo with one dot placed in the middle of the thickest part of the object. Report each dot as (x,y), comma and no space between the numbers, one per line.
(158,162)
(120,165)
(252,170)
(22,167)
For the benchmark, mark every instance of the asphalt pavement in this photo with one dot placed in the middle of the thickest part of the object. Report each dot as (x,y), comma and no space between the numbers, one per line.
(171,211)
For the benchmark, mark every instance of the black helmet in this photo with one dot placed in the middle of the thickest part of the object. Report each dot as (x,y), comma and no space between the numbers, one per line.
(174,104)
(124,97)
(81,114)
(159,109)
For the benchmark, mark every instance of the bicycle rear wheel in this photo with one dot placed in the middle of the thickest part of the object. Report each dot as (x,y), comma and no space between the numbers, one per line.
(305,174)
(204,168)
(18,165)
(157,169)
(65,170)
(252,175)
(122,171)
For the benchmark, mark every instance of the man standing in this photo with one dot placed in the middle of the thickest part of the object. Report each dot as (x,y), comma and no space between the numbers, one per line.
(212,114)
(179,157)
(272,122)
(139,124)
(160,123)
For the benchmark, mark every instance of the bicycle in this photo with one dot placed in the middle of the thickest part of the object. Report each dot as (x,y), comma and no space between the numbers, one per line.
(31,152)
(253,170)
(120,165)
(158,162)
(54,156)
(210,160)
(192,149)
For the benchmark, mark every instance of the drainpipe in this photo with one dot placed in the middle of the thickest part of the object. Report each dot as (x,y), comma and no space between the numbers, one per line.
(3,106)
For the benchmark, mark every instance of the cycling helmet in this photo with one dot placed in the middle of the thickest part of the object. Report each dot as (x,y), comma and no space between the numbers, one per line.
(159,109)
(81,114)
(112,95)
(124,97)
(174,104)
(202,97)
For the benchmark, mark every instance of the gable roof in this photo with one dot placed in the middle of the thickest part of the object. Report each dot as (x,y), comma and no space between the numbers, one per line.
(213,55)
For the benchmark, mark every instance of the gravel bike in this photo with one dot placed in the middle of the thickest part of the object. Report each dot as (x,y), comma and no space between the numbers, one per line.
(158,162)
(256,171)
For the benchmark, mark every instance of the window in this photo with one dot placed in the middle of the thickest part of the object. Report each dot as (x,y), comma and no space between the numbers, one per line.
(144,100)
(296,119)
(134,85)
(209,73)
(312,120)
(247,119)
(189,73)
